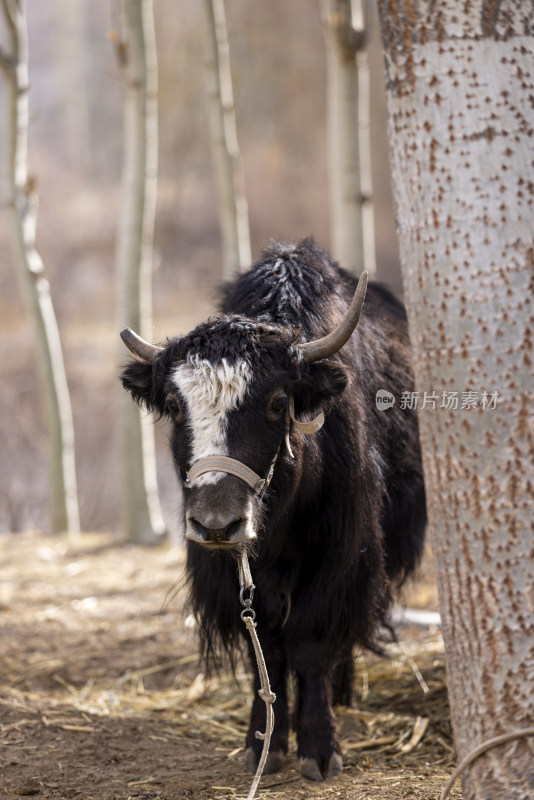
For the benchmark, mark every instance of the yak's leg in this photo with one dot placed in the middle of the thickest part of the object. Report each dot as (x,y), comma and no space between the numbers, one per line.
(315,725)
(342,682)
(276,663)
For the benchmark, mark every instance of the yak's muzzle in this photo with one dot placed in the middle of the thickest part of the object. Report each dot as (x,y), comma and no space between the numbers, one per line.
(220,515)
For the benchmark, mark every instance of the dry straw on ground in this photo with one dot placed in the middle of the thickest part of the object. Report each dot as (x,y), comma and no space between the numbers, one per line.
(102,695)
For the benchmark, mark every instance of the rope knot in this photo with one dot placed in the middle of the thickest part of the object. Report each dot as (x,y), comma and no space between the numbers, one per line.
(267,696)
(249,621)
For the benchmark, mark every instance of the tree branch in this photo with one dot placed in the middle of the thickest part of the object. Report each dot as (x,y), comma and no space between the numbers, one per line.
(12,15)
(348,39)
(12,12)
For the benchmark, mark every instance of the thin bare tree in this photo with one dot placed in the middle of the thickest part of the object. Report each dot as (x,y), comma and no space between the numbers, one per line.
(22,207)
(226,155)
(460,79)
(141,513)
(346,24)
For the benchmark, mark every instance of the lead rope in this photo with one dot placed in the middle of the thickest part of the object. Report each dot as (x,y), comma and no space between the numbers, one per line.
(248,615)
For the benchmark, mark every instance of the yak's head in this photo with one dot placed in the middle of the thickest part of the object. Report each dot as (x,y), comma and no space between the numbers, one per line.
(232,390)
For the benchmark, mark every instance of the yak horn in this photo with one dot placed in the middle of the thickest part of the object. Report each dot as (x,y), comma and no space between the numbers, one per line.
(142,351)
(328,345)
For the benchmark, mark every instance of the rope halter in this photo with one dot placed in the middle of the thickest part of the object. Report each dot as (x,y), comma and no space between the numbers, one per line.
(218,463)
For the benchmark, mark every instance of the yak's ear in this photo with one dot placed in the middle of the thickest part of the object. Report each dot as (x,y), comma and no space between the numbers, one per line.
(328,379)
(325,380)
(137,378)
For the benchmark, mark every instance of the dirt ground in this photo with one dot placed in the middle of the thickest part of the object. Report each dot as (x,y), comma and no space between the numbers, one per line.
(101,694)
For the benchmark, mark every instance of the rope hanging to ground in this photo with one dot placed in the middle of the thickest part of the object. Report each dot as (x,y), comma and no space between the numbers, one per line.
(248,615)
(480,750)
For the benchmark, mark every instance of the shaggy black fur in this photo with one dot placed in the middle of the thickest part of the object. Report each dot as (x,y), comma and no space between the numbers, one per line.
(344,520)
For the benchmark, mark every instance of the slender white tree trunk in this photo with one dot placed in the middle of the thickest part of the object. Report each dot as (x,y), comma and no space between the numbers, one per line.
(227,162)
(22,205)
(349,144)
(460,83)
(142,517)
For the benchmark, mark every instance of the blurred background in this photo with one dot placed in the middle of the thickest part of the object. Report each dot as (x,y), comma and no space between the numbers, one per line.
(278,68)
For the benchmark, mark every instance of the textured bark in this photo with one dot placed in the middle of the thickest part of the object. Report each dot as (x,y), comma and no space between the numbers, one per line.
(141,512)
(22,205)
(460,83)
(349,145)
(229,175)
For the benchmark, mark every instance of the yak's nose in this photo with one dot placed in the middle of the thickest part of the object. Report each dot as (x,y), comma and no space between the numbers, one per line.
(216,529)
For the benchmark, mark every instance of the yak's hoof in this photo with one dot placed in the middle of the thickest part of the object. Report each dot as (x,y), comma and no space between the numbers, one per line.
(335,765)
(251,762)
(310,768)
(274,762)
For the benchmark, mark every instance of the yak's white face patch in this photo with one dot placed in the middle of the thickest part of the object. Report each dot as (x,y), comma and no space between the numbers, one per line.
(210,392)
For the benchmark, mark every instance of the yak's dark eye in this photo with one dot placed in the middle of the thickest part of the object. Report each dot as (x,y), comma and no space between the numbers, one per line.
(277,405)
(173,407)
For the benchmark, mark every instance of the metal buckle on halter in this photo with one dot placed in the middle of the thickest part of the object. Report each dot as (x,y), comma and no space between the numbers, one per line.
(312,426)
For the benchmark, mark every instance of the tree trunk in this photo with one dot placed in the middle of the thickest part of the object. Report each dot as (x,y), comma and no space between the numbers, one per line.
(349,146)
(460,79)
(142,517)
(229,175)
(22,205)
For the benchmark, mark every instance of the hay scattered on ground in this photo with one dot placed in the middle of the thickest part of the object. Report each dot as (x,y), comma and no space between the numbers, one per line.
(90,641)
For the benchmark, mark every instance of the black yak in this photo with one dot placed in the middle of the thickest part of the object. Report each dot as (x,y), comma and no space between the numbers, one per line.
(335,519)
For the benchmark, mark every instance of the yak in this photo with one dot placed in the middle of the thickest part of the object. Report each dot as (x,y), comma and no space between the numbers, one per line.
(281,448)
